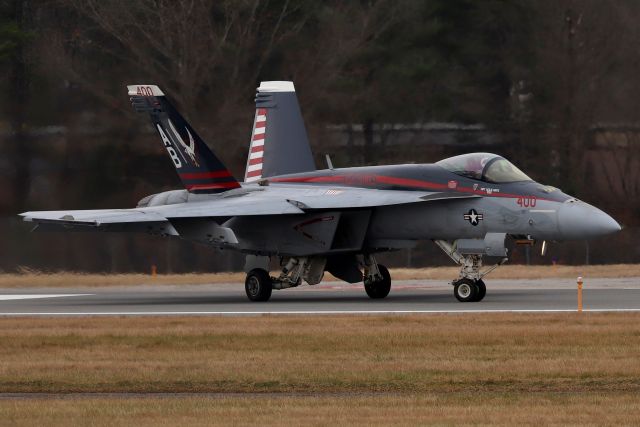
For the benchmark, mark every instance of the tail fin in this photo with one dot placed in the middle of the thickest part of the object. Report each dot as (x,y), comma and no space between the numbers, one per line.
(199,169)
(279,143)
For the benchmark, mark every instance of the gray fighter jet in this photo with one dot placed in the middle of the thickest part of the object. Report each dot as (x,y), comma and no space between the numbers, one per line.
(335,220)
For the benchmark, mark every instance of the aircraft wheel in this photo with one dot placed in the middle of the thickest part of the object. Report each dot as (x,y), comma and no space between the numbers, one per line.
(380,288)
(482,290)
(465,290)
(258,285)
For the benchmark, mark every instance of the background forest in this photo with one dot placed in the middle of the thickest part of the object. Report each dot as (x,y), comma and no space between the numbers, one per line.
(551,85)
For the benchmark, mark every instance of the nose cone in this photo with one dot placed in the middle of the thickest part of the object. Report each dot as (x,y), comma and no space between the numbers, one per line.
(579,220)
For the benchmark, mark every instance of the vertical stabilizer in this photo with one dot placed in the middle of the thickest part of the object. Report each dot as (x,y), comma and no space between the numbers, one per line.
(198,168)
(279,143)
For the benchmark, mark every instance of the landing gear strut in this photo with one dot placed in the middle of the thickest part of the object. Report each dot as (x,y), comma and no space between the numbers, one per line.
(377,280)
(259,284)
(469,286)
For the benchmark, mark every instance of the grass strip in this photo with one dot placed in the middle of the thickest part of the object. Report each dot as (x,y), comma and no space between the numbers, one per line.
(430,408)
(491,353)
(37,279)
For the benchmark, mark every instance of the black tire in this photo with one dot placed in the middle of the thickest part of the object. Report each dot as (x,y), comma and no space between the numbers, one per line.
(482,290)
(379,288)
(258,285)
(465,290)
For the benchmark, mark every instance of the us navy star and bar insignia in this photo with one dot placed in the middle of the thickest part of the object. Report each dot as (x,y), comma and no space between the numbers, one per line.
(473,217)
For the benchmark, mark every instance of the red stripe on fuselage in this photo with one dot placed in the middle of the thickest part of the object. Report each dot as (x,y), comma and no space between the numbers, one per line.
(254,173)
(255,161)
(311,179)
(203,175)
(220,185)
(258,136)
(262,111)
(371,181)
(407,182)
(256,149)
(261,124)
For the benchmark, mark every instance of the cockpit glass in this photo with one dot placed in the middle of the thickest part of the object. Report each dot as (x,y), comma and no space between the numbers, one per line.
(502,170)
(484,166)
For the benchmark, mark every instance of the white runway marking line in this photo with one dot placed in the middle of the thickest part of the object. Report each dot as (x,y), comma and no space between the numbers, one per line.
(317,312)
(38,296)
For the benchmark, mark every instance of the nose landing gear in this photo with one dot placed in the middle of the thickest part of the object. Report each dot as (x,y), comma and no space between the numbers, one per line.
(468,290)
(469,286)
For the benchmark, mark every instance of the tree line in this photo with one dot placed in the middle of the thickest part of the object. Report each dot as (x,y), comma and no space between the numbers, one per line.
(555,80)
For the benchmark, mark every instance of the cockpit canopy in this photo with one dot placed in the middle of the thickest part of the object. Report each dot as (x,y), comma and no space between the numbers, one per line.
(485,167)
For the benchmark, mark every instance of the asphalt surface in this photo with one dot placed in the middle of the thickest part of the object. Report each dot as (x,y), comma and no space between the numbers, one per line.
(415,296)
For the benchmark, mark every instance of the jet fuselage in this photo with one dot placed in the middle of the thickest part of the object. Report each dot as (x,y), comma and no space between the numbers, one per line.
(525,208)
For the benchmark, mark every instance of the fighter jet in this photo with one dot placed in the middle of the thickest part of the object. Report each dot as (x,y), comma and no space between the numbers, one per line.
(335,219)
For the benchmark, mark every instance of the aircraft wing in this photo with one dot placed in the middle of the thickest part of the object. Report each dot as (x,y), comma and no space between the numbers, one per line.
(251,204)
(157,218)
(100,220)
(92,218)
(347,197)
(275,201)
(287,201)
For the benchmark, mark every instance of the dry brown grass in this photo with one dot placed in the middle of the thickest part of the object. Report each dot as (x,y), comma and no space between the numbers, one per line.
(455,353)
(430,408)
(34,279)
(451,369)
(526,272)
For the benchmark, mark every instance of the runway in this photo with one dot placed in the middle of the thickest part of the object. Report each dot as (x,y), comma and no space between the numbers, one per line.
(406,297)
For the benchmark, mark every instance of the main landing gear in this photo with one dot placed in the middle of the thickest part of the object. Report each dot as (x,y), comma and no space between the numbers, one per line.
(469,286)
(259,284)
(377,280)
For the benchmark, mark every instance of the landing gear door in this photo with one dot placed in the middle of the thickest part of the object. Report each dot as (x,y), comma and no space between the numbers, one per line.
(494,243)
(491,245)
(317,231)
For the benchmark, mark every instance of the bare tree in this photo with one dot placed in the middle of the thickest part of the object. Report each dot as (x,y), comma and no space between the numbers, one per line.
(615,159)
(581,47)
(203,53)
(14,55)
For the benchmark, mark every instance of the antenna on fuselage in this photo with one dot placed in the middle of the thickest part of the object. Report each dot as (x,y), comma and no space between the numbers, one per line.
(329,163)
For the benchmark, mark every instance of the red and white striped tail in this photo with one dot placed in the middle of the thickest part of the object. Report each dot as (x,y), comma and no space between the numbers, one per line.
(256,150)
